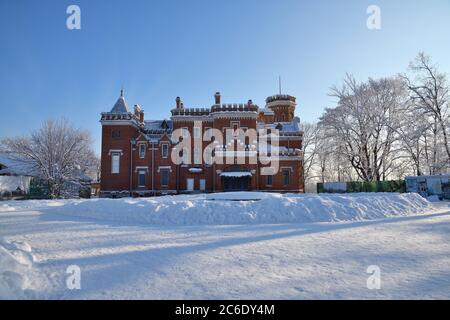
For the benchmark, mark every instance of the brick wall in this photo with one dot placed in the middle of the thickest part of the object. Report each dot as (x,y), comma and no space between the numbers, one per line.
(179,174)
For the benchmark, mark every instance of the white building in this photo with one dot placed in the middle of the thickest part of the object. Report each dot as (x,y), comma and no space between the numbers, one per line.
(13,181)
(438,185)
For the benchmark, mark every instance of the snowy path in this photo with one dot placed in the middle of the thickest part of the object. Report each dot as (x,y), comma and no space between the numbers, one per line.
(283,261)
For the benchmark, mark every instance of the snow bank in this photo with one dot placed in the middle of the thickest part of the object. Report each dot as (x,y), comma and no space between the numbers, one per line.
(26,205)
(245,208)
(16,261)
(6,207)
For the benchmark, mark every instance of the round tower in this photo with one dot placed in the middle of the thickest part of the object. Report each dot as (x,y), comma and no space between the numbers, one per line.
(283,106)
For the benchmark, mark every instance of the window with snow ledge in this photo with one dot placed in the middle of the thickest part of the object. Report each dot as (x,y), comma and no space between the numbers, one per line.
(142,151)
(197,156)
(165,150)
(197,133)
(115,162)
(269,180)
(286,176)
(141,178)
(164,178)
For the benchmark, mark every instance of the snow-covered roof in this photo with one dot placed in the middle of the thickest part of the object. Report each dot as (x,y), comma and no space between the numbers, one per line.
(156,125)
(121,105)
(290,127)
(267,111)
(13,166)
(286,127)
(236,174)
(6,171)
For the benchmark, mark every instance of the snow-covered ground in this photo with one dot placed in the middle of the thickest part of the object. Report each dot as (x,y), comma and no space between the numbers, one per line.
(223,246)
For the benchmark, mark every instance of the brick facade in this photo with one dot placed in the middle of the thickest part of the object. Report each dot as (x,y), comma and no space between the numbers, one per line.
(137,154)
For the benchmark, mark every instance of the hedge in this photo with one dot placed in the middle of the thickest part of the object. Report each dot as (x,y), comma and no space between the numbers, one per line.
(368,186)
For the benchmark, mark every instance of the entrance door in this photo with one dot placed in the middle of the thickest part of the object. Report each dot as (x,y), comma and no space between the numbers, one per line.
(235,184)
(422,188)
(190,184)
(202,184)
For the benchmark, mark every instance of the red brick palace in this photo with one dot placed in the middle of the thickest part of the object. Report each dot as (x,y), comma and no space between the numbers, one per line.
(153,157)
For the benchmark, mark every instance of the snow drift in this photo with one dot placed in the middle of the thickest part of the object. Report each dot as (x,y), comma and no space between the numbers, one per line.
(16,261)
(240,208)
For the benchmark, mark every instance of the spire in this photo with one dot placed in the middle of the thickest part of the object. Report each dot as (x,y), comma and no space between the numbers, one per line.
(121,105)
(279,84)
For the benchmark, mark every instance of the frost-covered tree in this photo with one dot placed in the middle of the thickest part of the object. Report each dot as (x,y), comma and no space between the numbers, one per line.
(383,128)
(57,153)
(412,131)
(363,124)
(310,140)
(429,94)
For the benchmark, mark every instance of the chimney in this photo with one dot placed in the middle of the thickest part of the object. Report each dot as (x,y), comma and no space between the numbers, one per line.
(217,98)
(138,112)
(179,103)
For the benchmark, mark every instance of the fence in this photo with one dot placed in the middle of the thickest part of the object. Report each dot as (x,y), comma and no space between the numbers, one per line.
(362,186)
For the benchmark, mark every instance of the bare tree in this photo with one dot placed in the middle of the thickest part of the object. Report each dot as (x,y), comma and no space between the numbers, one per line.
(412,135)
(430,94)
(309,149)
(57,153)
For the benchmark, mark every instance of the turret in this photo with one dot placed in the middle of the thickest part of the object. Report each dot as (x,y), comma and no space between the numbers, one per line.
(119,127)
(217,98)
(178,103)
(283,106)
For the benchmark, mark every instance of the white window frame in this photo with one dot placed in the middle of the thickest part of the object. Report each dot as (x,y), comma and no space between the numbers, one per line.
(163,171)
(115,162)
(197,156)
(271,180)
(187,184)
(165,145)
(235,123)
(288,175)
(144,172)
(142,154)
(197,132)
(202,186)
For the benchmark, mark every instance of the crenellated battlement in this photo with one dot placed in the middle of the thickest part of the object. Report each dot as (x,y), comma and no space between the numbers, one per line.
(280,97)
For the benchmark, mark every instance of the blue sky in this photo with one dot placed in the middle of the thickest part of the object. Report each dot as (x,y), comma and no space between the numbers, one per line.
(158,50)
